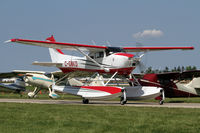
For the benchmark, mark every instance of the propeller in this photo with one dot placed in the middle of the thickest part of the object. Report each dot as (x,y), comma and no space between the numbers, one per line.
(141,65)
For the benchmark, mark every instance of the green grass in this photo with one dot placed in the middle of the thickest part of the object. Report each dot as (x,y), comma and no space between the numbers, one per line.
(44,95)
(37,118)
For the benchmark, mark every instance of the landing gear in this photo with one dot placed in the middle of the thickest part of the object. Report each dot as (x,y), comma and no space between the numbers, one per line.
(161,102)
(34,93)
(123,99)
(52,93)
(132,80)
(162,97)
(85,101)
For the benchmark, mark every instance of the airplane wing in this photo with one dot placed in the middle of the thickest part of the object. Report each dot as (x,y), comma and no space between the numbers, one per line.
(12,87)
(16,73)
(179,75)
(7,75)
(27,71)
(141,49)
(72,46)
(59,45)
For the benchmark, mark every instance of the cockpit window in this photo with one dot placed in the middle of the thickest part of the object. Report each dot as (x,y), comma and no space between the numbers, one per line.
(20,78)
(111,50)
(48,75)
(99,55)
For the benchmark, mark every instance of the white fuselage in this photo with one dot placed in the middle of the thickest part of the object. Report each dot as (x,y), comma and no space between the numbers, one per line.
(95,62)
(39,80)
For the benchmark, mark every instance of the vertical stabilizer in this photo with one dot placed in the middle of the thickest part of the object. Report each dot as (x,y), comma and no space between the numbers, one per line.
(195,83)
(56,55)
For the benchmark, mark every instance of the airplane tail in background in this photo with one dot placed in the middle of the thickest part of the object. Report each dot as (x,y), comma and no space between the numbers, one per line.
(195,83)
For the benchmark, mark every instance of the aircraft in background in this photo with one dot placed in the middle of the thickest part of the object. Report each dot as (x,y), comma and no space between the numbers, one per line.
(38,79)
(17,85)
(175,84)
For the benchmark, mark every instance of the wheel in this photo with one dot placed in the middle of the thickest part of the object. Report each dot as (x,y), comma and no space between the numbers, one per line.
(122,102)
(161,102)
(85,101)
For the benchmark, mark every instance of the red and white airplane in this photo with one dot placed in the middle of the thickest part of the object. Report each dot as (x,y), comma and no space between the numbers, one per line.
(101,59)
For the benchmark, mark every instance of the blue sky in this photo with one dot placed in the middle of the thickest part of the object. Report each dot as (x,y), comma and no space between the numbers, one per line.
(116,21)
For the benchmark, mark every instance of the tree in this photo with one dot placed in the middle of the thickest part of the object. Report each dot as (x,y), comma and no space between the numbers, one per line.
(166,69)
(149,70)
(179,69)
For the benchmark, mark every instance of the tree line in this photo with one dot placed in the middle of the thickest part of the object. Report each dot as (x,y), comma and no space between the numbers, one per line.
(167,69)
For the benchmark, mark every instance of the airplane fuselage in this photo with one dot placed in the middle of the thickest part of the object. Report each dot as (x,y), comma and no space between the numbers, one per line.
(122,63)
(39,80)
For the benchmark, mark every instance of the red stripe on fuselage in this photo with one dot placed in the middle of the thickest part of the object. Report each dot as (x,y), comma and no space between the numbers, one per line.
(111,90)
(125,54)
(121,71)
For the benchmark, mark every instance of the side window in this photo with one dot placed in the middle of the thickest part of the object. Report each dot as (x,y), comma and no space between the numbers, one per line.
(91,55)
(48,75)
(99,55)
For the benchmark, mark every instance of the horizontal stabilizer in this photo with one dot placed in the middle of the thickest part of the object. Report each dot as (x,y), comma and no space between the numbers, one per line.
(48,64)
(28,71)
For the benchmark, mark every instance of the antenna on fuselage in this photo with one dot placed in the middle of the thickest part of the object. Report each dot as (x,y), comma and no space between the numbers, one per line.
(93,42)
(108,43)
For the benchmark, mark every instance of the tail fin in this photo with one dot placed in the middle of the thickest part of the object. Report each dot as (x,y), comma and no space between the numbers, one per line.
(195,83)
(51,39)
(56,55)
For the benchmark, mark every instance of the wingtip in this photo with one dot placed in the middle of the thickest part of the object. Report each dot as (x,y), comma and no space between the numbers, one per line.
(7,41)
(189,48)
(11,40)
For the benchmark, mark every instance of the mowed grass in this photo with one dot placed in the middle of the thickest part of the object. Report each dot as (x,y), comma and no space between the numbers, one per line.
(42,118)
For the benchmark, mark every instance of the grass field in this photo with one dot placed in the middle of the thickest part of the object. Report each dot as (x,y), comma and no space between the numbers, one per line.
(36,118)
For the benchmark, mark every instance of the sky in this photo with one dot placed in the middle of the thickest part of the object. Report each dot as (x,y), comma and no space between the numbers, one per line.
(105,22)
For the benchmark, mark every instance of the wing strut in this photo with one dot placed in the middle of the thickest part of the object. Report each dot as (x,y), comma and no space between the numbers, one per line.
(106,69)
(111,78)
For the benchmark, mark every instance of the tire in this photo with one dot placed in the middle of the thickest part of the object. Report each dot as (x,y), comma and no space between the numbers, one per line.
(161,102)
(122,102)
(85,101)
